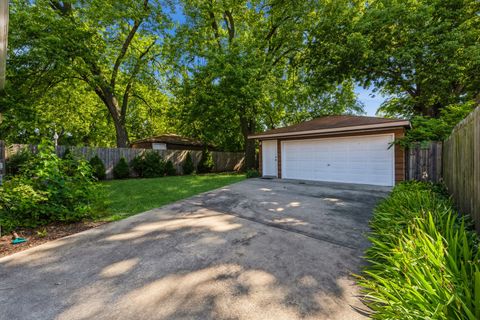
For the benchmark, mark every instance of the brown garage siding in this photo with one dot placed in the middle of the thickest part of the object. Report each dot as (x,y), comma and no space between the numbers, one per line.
(399,151)
(399,158)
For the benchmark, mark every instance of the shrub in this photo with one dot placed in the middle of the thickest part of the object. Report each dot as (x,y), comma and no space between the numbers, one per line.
(424,260)
(69,163)
(170,168)
(252,173)
(47,191)
(121,170)
(98,168)
(188,166)
(67,155)
(16,162)
(138,165)
(206,162)
(149,165)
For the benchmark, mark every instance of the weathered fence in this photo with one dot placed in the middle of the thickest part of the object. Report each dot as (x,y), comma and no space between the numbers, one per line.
(424,162)
(461,165)
(223,161)
(2,160)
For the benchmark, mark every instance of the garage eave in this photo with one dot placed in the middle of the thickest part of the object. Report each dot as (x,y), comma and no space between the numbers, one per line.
(349,129)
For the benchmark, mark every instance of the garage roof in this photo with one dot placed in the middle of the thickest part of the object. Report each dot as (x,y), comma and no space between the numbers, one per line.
(333,124)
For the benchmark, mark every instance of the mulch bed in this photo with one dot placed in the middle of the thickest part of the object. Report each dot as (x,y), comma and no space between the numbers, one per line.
(37,236)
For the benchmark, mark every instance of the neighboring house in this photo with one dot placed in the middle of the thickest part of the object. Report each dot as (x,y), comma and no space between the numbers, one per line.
(352,149)
(170,142)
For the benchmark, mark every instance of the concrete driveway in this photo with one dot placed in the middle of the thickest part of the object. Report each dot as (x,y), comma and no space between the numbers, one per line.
(258,249)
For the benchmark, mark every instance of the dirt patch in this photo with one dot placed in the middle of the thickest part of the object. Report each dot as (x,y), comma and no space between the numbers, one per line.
(38,236)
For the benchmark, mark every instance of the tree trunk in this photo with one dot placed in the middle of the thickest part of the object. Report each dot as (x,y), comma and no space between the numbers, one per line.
(248,127)
(121,134)
(118,118)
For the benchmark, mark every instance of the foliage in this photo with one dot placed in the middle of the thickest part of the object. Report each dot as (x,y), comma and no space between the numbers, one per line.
(67,155)
(240,70)
(170,168)
(98,168)
(128,197)
(98,53)
(252,173)
(436,129)
(149,165)
(205,165)
(424,55)
(47,190)
(16,162)
(188,166)
(42,233)
(121,170)
(424,260)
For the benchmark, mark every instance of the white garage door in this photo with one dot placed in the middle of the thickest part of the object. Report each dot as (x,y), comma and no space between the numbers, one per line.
(363,159)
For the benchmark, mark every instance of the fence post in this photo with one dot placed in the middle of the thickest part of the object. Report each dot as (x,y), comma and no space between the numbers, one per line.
(2,160)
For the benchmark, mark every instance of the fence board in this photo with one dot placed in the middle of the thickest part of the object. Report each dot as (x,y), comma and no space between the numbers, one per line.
(424,162)
(2,160)
(223,161)
(461,161)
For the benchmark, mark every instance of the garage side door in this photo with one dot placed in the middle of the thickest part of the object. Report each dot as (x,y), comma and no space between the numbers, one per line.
(365,159)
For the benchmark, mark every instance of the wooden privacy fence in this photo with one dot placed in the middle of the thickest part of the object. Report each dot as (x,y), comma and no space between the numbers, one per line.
(223,161)
(461,165)
(424,162)
(2,160)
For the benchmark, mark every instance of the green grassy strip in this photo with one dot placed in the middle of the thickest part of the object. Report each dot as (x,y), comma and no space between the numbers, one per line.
(424,262)
(132,196)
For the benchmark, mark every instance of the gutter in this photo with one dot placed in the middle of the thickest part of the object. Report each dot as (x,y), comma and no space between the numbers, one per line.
(403,123)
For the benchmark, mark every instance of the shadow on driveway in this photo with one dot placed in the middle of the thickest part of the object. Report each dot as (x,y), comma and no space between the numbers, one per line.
(254,250)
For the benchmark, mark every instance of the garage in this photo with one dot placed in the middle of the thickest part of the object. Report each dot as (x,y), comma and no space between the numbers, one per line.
(349,149)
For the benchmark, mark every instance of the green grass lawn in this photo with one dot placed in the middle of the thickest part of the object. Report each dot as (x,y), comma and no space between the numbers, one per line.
(129,197)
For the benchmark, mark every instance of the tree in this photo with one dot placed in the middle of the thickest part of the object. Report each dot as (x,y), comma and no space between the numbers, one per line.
(240,70)
(424,54)
(110,46)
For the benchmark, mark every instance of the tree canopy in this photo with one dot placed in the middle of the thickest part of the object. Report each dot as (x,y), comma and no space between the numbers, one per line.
(108,72)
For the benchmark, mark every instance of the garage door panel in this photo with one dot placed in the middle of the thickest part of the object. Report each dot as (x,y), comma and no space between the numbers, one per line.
(366,159)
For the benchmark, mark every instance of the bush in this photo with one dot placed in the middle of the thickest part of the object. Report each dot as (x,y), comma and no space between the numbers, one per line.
(67,155)
(170,168)
(16,162)
(188,166)
(121,170)
(47,190)
(149,165)
(98,168)
(252,173)
(424,260)
(206,162)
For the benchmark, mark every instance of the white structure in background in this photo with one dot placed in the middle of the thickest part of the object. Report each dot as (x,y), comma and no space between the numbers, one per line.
(3,41)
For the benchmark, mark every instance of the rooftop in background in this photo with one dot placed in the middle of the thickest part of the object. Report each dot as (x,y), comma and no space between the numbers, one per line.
(170,142)
(334,123)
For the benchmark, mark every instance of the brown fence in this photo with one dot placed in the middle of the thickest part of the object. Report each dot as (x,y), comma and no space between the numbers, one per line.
(424,162)
(461,162)
(2,160)
(223,161)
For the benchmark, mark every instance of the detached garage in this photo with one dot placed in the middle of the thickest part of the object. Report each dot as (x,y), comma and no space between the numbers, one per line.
(349,149)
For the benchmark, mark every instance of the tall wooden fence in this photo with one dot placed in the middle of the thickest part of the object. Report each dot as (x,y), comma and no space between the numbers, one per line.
(2,160)
(461,162)
(424,162)
(223,161)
